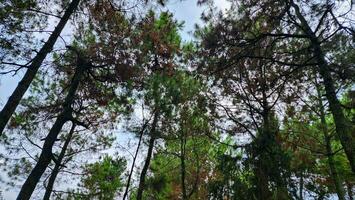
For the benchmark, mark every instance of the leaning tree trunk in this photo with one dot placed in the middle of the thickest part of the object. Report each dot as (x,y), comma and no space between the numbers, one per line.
(343,126)
(149,156)
(31,72)
(134,161)
(58,164)
(334,175)
(46,154)
(327,138)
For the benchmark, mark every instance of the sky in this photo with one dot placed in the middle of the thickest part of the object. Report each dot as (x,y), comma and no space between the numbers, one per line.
(186,10)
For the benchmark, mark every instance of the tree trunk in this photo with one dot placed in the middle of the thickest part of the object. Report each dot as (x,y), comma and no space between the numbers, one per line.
(46,154)
(272,149)
(333,172)
(343,126)
(301,186)
(262,146)
(272,154)
(134,161)
(349,187)
(182,165)
(31,72)
(344,129)
(262,183)
(337,183)
(58,164)
(141,186)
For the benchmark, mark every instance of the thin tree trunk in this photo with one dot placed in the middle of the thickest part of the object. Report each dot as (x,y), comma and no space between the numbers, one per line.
(349,187)
(182,165)
(334,175)
(195,186)
(31,72)
(46,154)
(141,186)
(134,161)
(344,129)
(58,164)
(301,186)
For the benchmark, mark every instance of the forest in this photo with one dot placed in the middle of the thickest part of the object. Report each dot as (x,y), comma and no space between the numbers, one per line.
(111,101)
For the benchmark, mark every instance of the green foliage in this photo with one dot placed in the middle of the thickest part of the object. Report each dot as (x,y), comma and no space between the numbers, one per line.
(216,101)
(102,180)
(306,145)
(166,92)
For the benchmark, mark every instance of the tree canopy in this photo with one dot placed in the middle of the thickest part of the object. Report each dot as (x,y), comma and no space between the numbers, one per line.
(260,104)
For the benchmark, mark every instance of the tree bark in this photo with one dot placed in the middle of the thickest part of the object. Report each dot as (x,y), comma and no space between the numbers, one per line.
(262,183)
(301,186)
(58,164)
(182,165)
(263,143)
(343,126)
(46,154)
(349,187)
(335,177)
(268,134)
(32,70)
(141,186)
(134,161)
(327,138)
